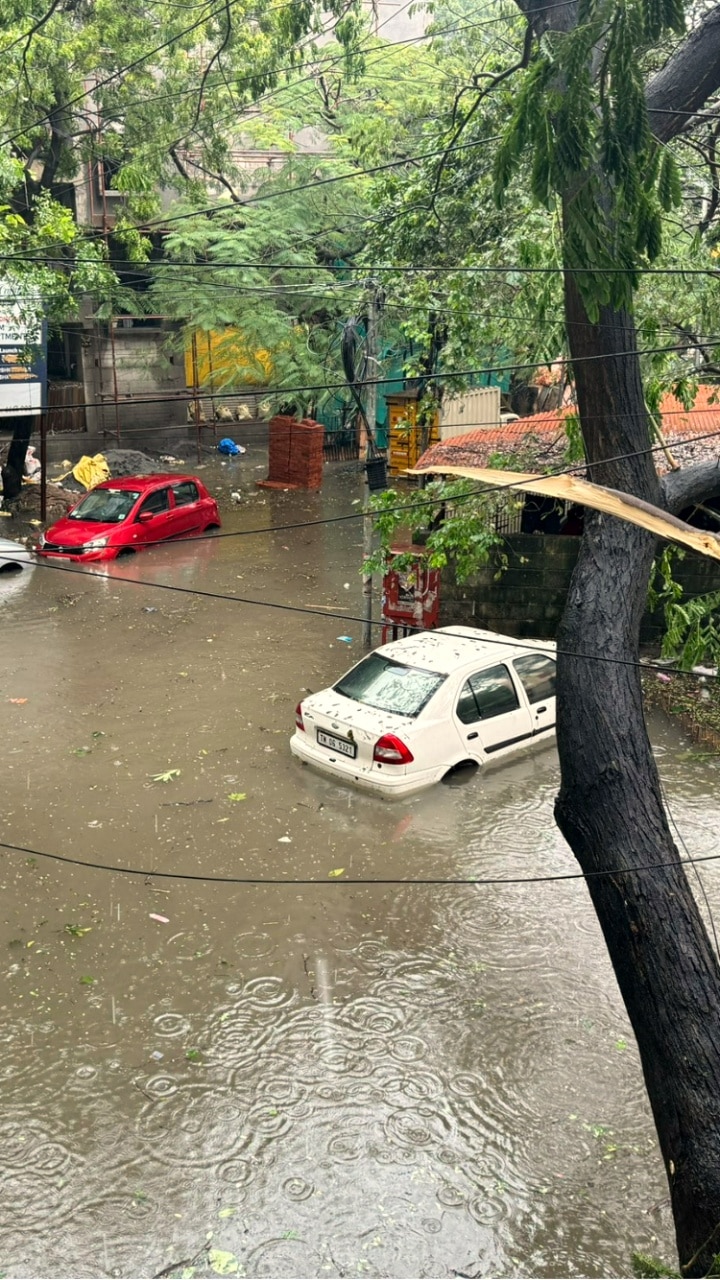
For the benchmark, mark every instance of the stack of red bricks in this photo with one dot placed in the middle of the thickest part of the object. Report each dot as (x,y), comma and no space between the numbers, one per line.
(295,458)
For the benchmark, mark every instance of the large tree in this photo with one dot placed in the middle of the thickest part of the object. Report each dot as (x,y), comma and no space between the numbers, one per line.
(611,86)
(145,99)
(609,125)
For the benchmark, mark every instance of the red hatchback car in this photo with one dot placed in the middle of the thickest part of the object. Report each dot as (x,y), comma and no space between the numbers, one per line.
(121,516)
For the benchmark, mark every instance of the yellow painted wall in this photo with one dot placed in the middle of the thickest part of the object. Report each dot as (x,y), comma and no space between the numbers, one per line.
(219,355)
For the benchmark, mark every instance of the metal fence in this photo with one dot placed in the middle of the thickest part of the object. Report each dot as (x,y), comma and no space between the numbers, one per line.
(342,438)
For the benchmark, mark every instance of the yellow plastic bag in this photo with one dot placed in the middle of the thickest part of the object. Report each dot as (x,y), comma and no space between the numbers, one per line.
(91,471)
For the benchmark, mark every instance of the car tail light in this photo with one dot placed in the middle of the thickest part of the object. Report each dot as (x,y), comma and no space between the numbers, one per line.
(298,717)
(391,750)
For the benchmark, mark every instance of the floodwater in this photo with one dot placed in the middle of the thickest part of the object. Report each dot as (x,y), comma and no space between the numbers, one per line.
(283,1080)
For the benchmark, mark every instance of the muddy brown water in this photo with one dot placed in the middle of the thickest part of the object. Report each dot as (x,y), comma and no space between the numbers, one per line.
(313,1081)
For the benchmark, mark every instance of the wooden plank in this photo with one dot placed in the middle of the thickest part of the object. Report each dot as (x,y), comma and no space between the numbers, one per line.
(572,489)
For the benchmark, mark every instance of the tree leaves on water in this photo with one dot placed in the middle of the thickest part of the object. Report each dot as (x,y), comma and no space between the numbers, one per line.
(168,776)
(223,1263)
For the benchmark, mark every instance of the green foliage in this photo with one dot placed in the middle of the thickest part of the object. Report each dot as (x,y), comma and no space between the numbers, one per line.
(574,449)
(692,631)
(148,92)
(663,588)
(646,1268)
(577,120)
(458,523)
(281,325)
(692,626)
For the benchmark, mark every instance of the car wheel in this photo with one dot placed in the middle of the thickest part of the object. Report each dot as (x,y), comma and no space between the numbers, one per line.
(460,773)
(125,551)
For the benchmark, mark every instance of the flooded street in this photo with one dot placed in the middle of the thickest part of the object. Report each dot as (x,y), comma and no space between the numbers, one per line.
(325,1080)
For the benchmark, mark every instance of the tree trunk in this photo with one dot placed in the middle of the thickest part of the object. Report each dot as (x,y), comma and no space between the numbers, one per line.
(610,806)
(15,464)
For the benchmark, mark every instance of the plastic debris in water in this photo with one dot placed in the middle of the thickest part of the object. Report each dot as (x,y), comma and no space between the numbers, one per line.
(160,919)
(345,639)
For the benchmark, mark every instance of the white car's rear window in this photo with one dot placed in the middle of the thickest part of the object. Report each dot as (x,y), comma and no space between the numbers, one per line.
(390,686)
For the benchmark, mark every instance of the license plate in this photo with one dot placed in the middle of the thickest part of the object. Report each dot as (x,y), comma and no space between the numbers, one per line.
(343,746)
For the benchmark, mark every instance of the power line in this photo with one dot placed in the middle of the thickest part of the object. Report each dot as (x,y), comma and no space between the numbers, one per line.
(367,269)
(698,877)
(309,610)
(446,376)
(477,881)
(231,206)
(142,270)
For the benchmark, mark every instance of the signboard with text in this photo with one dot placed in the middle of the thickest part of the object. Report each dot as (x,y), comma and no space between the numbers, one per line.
(23,360)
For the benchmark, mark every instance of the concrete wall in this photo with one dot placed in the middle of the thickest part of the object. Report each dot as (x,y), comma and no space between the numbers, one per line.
(528,599)
(143,374)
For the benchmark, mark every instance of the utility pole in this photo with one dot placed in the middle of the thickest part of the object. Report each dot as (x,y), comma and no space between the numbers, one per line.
(373,364)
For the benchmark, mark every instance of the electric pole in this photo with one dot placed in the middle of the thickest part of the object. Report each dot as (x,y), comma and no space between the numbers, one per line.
(373,365)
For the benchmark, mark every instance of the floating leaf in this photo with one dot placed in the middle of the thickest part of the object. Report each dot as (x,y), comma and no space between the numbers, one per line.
(194,1055)
(621,1045)
(237,795)
(167,776)
(76,931)
(87,981)
(339,871)
(228,1212)
(222,1262)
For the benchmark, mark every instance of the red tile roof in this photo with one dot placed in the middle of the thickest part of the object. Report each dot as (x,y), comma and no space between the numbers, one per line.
(542,437)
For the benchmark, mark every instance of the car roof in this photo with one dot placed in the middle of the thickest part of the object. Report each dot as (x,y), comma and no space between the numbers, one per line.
(449,648)
(145,482)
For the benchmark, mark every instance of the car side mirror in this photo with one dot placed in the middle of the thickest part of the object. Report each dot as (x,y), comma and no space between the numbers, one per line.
(145,517)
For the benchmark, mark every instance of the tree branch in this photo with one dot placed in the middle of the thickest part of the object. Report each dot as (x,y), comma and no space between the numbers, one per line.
(520,65)
(216,177)
(690,485)
(217,54)
(690,76)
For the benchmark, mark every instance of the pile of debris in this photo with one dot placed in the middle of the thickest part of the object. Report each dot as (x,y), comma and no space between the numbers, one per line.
(120,462)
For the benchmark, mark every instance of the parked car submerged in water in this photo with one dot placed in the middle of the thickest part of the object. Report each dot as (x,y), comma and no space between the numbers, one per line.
(414,710)
(121,516)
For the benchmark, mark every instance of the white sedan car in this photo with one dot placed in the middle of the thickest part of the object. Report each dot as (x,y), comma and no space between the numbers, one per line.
(16,567)
(414,710)
(13,557)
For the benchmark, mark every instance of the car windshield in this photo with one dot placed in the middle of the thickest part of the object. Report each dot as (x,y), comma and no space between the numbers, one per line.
(390,686)
(105,506)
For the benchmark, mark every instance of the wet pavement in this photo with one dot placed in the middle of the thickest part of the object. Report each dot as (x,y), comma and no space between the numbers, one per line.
(285,1080)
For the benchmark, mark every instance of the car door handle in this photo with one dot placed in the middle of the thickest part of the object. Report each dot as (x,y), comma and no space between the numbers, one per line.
(540,710)
(472,735)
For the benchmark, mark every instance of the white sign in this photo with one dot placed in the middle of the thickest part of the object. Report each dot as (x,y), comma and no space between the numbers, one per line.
(23,360)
